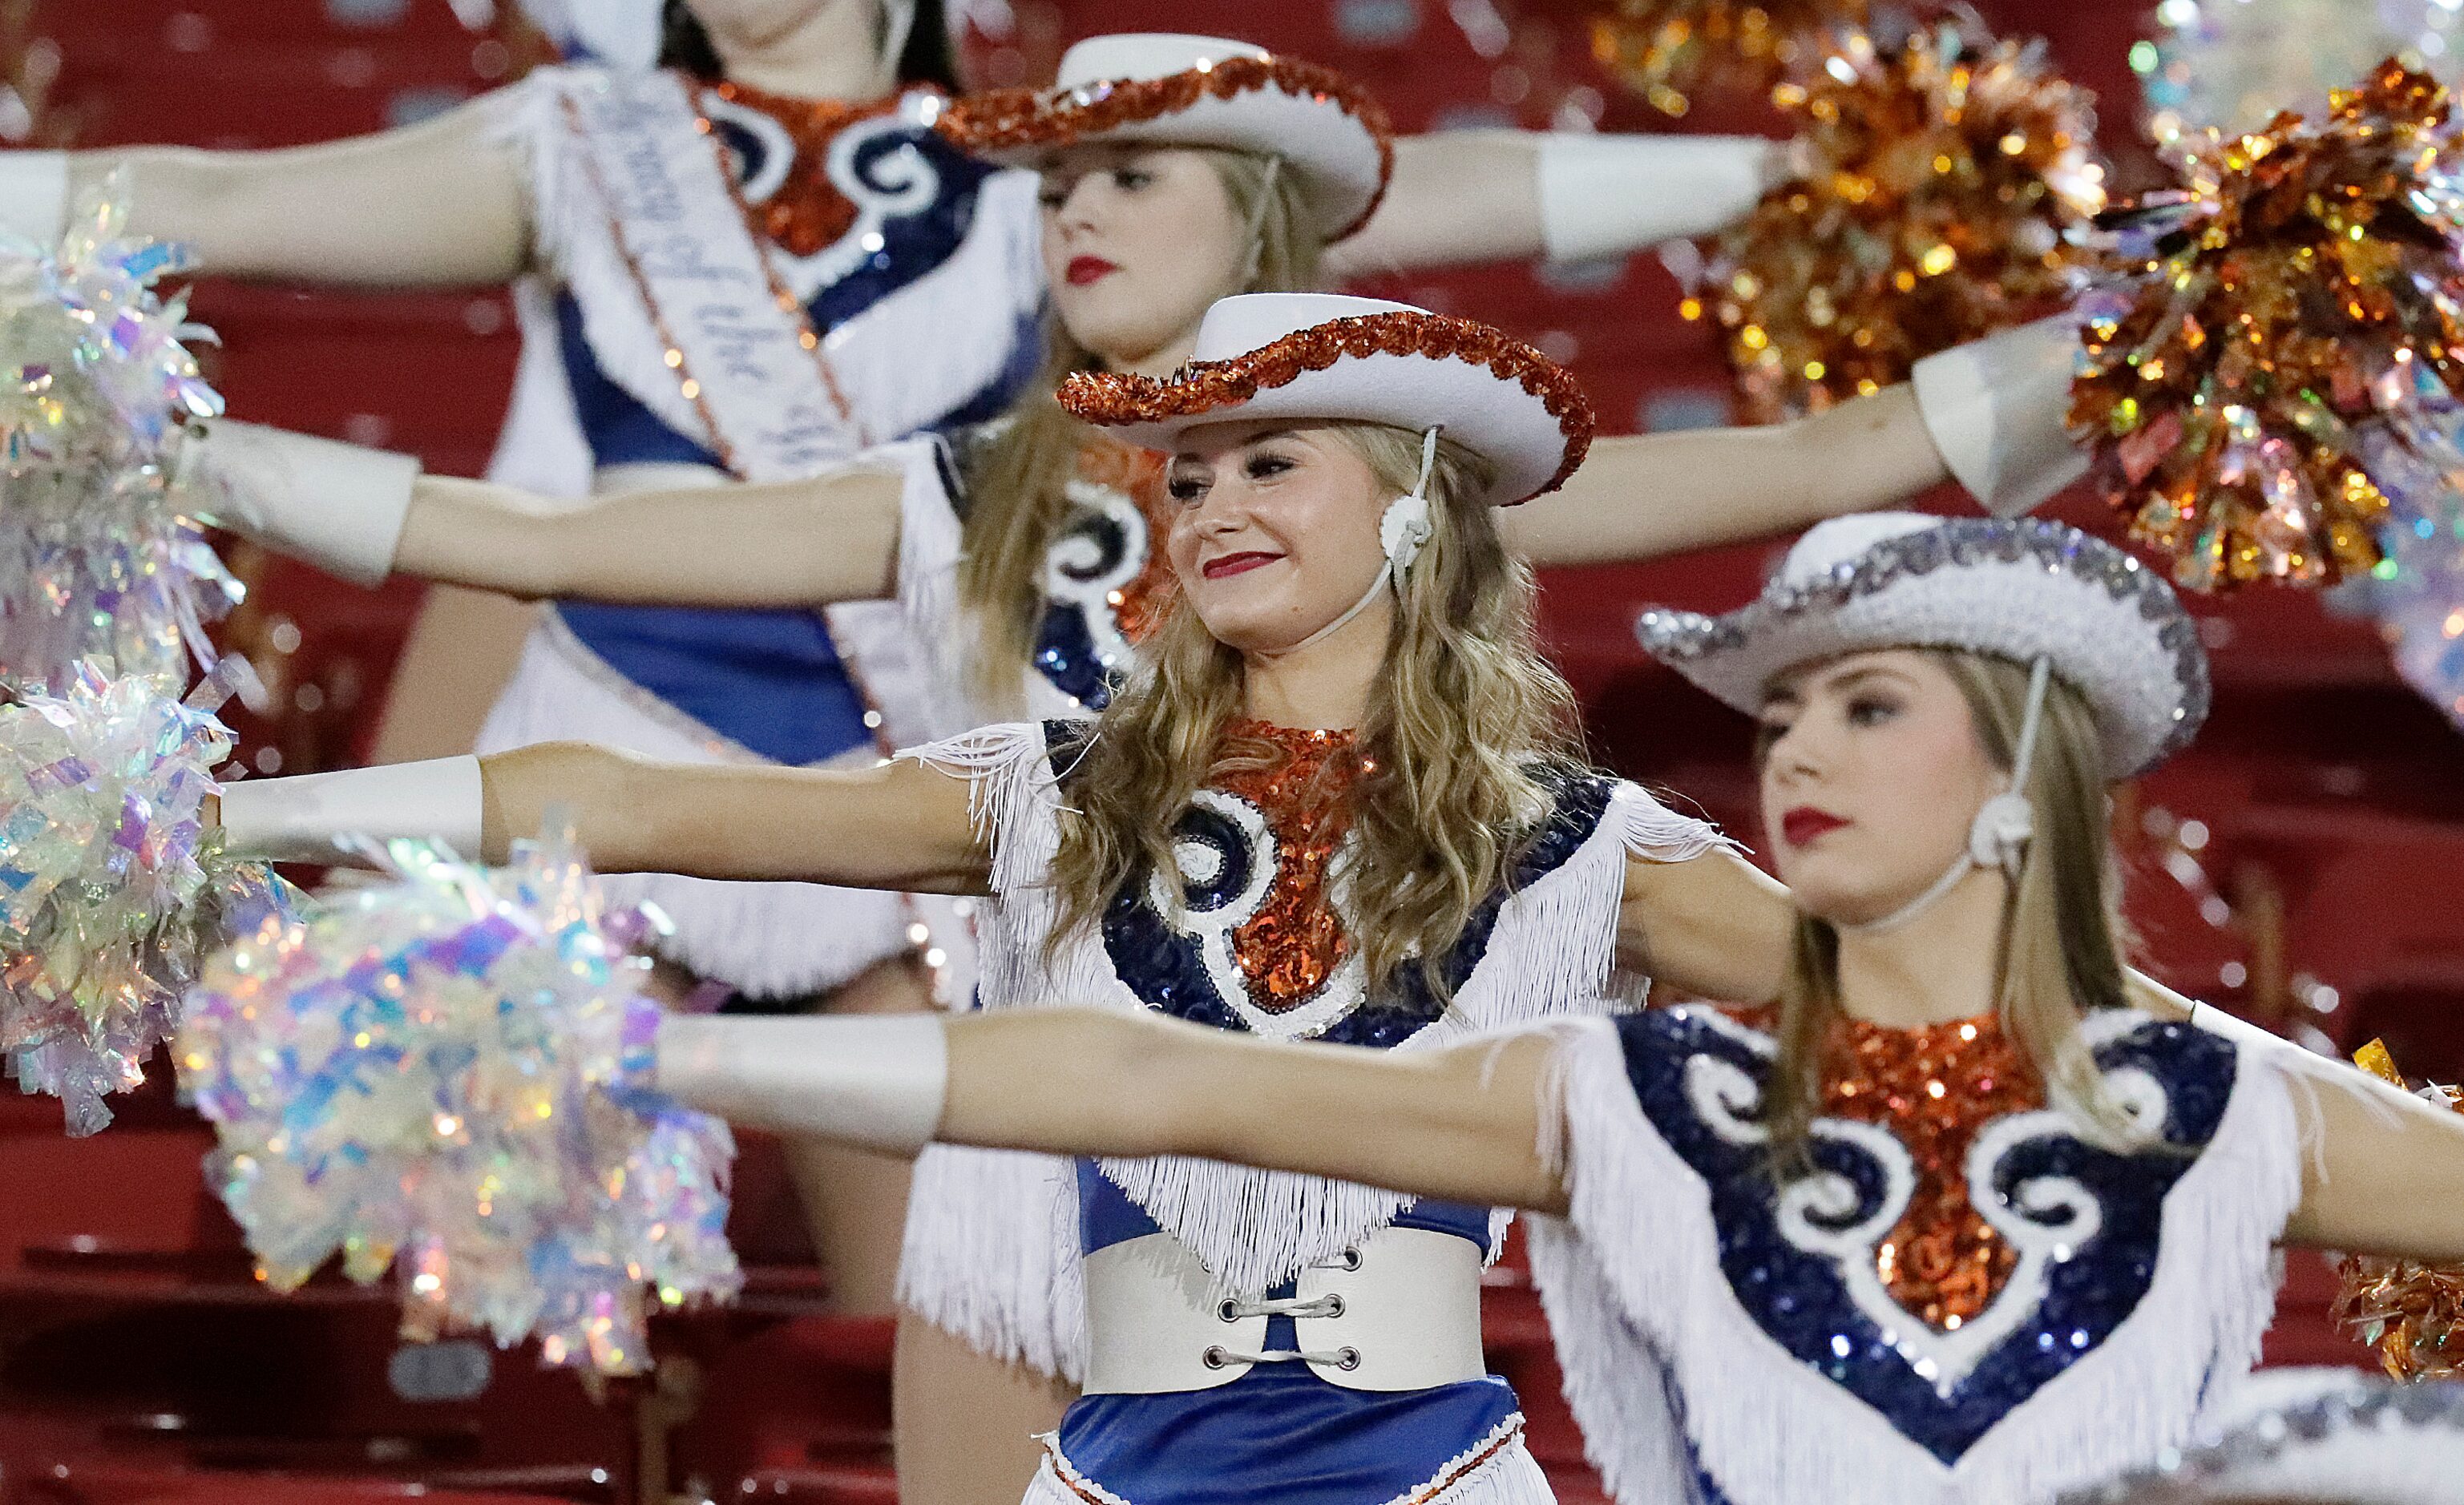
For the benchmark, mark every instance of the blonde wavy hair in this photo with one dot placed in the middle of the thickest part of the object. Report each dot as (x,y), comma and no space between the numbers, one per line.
(2059,953)
(1464,725)
(1018,482)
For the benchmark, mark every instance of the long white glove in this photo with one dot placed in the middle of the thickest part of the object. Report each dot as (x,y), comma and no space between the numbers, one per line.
(34,195)
(876,1080)
(1608,195)
(297,820)
(1996,409)
(336,506)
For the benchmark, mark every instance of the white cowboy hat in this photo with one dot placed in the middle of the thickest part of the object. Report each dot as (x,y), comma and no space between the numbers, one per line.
(1318,355)
(2024,589)
(2364,1441)
(1166,90)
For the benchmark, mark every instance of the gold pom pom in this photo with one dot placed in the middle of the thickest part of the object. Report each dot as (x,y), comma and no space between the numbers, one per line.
(2274,363)
(2412,1313)
(1945,188)
(1668,50)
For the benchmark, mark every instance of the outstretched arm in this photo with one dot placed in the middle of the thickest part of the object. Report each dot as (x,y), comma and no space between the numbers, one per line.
(438,203)
(1460,1124)
(1473,196)
(1716,927)
(1992,414)
(2386,1174)
(1641,496)
(900,825)
(790,543)
(435,203)
(365,514)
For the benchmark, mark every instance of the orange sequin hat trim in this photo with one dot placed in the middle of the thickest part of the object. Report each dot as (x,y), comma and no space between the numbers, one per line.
(1003,120)
(1109,399)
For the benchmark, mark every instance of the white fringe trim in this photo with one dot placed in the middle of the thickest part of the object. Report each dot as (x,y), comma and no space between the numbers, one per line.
(1635,1282)
(982,1263)
(1497,1469)
(768,940)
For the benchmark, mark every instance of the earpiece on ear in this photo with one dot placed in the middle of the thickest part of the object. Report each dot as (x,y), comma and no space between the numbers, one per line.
(2000,834)
(1403,529)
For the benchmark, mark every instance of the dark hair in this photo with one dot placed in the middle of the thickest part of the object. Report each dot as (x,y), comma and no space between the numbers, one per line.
(926,58)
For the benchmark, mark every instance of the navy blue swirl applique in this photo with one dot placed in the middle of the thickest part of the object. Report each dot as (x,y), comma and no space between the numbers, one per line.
(915,196)
(1178,963)
(1100,554)
(2087,1223)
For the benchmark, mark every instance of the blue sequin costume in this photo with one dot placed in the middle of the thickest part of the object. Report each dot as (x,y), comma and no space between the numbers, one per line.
(1734,1338)
(1225,957)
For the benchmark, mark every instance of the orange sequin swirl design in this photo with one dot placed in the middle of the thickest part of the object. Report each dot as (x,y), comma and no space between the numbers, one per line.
(1006,119)
(808,213)
(1109,398)
(1933,1087)
(1137,474)
(1302,783)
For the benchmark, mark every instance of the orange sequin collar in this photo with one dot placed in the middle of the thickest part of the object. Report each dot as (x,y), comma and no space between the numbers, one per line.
(1933,1086)
(1110,397)
(1006,119)
(1301,781)
(808,213)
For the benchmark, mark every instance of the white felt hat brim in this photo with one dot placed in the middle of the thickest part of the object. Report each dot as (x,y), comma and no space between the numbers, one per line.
(1340,161)
(1306,357)
(1508,426)
(2021,590)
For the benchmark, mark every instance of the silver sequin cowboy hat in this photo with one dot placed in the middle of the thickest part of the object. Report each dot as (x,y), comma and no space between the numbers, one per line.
(2358,1440)
(2023,589)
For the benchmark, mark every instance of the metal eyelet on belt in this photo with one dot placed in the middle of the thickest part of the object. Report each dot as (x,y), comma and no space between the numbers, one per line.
(1214,1358)
(1347,1358)
(1334,1304)
(1351,1260)
(1224,1310)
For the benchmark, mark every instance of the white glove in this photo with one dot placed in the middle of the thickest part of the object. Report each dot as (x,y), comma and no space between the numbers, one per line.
(339,507)
(1609,195)
(876,1080)
(297,820)
(1997,411)
(34,195)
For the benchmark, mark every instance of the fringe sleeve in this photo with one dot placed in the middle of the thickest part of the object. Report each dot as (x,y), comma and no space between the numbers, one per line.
(527,118)
(1012,796)
(1657,833)
(1616,1380)
(991,1256)
(931,540)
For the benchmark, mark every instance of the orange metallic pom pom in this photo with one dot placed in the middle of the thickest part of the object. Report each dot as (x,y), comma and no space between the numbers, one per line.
(2412,1313)
(1670,51)
(1945,193)
(2275,361)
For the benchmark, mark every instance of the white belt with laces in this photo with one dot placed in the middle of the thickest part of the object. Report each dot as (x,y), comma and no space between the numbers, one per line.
(1399,1311)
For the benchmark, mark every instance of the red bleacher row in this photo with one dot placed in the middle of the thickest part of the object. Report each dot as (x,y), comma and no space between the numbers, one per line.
(139,1362)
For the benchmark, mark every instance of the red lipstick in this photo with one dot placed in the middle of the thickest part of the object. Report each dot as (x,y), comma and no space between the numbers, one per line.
(1805,824)
(1083,269)
(1232,564)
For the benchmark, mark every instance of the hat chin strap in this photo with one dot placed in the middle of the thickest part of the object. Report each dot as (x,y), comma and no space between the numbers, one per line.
(898,24)
(1257,253)
(1401,530)
(1998,836)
